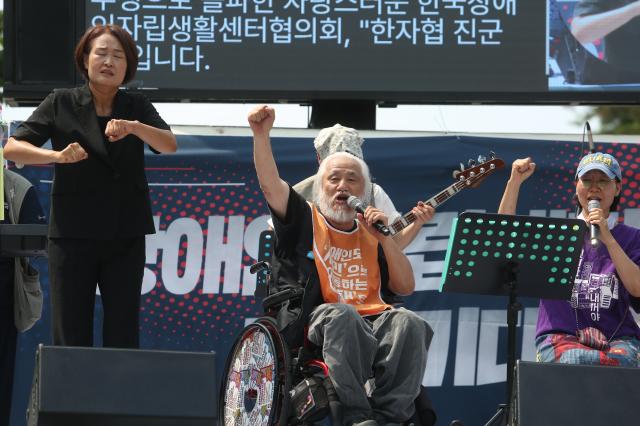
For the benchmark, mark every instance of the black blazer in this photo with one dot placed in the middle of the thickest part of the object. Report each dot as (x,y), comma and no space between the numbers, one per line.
(105,196)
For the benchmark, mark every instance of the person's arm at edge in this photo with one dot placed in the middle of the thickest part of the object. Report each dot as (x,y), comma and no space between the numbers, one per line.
(521,169)
(588,28)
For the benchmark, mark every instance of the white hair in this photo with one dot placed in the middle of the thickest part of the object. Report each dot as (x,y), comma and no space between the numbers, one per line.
(319,198)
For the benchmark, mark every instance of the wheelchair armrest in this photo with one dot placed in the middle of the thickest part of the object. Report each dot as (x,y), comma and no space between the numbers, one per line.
(280,297)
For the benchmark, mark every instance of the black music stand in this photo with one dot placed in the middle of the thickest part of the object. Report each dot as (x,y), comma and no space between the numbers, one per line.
(513,256)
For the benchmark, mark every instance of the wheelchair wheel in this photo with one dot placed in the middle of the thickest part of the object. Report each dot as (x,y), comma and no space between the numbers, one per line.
(257,378)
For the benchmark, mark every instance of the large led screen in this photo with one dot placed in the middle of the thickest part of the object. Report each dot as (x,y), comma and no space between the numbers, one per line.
(404,51)
(392,49)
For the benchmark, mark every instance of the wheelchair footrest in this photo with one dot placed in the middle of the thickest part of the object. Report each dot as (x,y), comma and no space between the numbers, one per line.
(309,401)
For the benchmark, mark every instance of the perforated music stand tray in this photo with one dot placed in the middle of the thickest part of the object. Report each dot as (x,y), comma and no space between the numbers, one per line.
(486,247)
(506,255)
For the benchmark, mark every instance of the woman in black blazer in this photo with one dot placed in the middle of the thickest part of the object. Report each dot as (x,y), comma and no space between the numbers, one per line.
(100,208)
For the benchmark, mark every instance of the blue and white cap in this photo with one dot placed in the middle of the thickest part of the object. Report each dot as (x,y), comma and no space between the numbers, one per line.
(606,163)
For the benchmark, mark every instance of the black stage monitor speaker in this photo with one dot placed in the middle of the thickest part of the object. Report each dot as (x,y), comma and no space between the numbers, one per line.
(582,395)
(123,387)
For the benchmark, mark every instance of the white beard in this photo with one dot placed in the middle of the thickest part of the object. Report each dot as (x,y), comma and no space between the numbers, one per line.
(343,214)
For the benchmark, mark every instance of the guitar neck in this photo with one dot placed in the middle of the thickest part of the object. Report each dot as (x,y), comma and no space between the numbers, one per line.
(434,202)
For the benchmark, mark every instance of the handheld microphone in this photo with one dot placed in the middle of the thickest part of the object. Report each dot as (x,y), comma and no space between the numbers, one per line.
(595,229)
(356,204)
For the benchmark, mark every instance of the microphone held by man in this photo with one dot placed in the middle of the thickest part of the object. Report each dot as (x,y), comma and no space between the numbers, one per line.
(358,206)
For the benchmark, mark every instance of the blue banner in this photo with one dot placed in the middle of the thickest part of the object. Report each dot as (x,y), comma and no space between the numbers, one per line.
(209,213)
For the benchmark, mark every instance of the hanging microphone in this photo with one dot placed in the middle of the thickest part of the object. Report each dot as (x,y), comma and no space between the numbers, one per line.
(592,148)
(356,204)
(595,229)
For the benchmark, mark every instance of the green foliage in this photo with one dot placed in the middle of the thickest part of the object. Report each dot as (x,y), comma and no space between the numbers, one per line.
(617,120)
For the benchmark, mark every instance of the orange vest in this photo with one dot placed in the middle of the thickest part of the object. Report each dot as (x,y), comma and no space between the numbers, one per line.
(347,264)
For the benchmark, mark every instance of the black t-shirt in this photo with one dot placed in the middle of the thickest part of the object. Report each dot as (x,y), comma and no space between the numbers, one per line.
(619,45)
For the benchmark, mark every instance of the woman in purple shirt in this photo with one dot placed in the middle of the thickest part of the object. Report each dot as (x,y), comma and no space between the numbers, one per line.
(596,326)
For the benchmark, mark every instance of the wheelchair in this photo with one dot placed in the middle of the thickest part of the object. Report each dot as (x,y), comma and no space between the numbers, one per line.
(267,382)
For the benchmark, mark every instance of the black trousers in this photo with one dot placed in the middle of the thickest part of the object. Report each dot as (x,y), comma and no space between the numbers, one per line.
(8,338)
(75,267)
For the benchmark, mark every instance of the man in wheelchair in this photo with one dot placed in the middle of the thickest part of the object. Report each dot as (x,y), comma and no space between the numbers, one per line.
(340,265)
